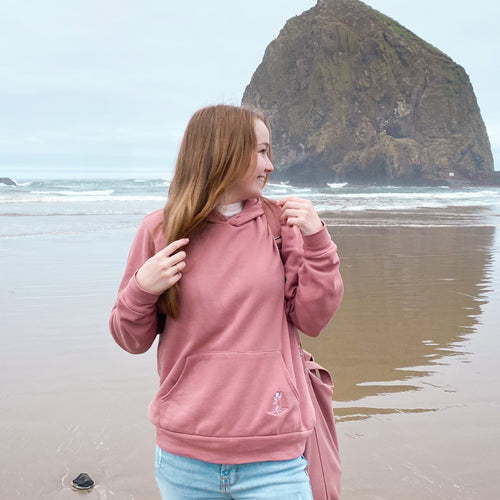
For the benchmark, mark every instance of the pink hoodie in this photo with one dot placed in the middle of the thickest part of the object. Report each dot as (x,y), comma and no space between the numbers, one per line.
(232,387)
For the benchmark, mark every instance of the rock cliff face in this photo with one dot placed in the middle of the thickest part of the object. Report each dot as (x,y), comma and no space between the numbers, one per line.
(354,96)
(6,180)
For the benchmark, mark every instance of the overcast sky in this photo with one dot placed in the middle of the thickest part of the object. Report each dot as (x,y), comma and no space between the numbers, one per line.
(107,86)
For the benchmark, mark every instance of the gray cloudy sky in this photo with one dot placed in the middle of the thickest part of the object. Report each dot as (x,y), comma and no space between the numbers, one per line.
(107,86)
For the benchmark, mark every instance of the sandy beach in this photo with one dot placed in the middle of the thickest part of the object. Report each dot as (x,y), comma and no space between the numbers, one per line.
(413,352)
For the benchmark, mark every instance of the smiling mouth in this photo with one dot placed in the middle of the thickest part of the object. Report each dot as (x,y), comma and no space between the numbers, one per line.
(261,179)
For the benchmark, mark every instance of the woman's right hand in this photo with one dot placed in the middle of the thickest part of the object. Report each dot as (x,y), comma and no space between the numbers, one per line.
(163,270)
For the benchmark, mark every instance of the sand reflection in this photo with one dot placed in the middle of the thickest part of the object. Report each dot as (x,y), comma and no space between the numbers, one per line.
(412,295)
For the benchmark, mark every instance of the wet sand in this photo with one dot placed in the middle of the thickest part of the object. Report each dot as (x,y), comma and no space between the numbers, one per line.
(413,352)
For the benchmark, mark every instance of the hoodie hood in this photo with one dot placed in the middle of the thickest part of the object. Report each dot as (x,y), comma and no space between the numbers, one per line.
(252,209)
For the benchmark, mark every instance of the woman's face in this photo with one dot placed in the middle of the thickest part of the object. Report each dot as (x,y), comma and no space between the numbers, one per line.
(251,185)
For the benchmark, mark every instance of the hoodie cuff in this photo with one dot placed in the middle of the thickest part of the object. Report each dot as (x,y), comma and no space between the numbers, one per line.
(137,298)
(319,241)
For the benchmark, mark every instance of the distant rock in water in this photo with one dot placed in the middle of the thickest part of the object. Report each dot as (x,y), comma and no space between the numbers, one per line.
(6,180)
(354,96)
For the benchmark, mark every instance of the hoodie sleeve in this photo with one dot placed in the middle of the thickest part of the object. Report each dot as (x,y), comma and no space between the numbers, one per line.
(133,322)
(313,287)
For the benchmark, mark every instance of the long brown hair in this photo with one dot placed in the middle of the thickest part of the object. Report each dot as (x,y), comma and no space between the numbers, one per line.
(219,148)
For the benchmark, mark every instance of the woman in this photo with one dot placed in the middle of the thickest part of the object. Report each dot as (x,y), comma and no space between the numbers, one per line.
(232,413)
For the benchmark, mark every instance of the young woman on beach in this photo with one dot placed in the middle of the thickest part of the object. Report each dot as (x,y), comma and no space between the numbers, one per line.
(226,295)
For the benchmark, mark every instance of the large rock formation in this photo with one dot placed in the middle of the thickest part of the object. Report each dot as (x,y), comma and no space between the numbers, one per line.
(354,96)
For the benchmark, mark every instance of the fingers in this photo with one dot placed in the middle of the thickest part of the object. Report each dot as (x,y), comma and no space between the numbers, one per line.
(173,247)
(301,213)
(176,275)
(175,268)
(164,269)
(174,260)
(293,207)
(291,199)
(171,261)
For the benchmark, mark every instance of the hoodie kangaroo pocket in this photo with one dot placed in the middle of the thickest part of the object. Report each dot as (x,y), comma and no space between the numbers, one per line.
(232,394)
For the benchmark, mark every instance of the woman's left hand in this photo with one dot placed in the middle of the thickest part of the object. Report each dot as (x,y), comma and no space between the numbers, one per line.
(301,213)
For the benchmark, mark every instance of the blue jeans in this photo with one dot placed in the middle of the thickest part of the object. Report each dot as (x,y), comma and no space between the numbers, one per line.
(182,478)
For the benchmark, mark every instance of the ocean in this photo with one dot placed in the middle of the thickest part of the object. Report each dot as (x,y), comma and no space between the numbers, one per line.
(53,206)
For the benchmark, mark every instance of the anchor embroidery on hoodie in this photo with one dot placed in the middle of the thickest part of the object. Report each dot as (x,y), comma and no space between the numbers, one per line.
(277,409)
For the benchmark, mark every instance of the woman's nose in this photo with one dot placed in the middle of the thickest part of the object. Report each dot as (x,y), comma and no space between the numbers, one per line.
(269,166)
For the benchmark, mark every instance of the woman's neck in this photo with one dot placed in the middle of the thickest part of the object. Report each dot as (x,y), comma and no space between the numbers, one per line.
(230,209)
